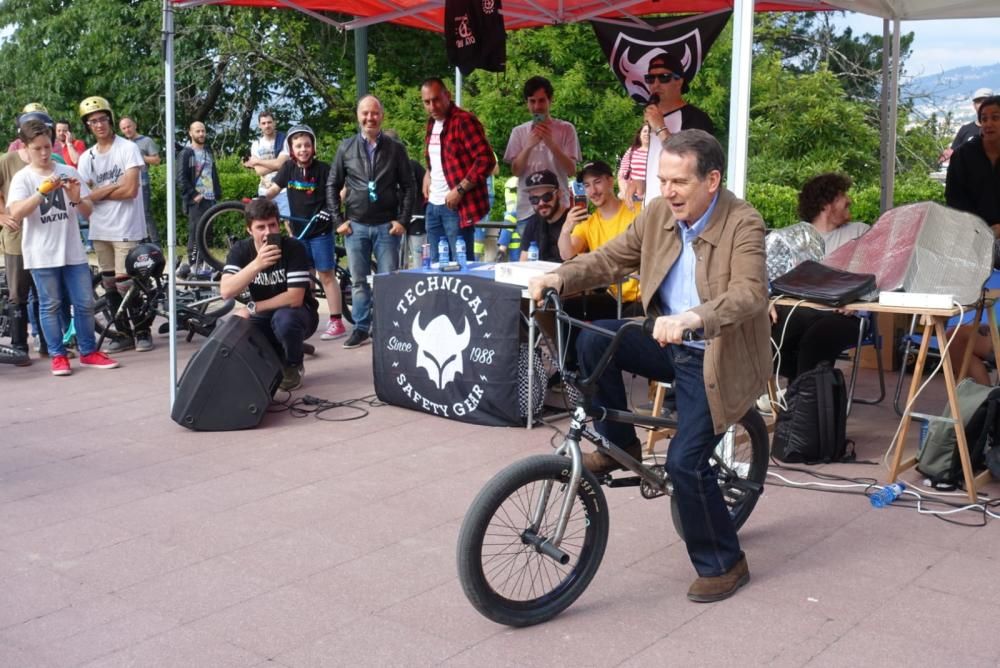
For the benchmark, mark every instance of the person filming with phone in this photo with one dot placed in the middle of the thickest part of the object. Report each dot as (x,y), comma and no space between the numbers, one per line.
(275,269)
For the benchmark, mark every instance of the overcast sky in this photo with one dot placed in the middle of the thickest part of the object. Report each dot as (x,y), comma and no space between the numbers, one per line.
(940,45)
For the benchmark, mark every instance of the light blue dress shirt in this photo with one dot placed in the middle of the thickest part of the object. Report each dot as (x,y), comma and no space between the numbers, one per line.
(678,292)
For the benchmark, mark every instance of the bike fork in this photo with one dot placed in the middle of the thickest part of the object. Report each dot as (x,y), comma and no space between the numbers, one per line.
(549,546)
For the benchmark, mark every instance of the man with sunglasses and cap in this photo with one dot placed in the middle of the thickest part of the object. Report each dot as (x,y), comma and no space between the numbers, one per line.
(667,113)
(545,224)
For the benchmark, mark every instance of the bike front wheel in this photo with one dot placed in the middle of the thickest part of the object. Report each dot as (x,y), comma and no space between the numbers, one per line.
(217,230)
(740,462)
(505,577)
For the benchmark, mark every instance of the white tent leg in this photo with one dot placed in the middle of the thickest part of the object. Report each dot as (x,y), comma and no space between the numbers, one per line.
(739,96)
(889,108)
(458,87)
(168,60)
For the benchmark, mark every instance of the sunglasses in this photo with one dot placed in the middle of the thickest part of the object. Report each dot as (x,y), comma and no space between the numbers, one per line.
(666,77)
(544,197)
(372,195)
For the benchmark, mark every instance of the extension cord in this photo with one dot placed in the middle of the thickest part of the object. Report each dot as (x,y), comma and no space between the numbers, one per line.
(915,299)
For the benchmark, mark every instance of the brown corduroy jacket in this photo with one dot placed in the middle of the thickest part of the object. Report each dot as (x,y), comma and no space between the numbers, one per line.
(732,286)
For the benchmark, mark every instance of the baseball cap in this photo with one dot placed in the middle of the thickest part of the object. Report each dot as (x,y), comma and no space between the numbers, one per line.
(544,178)
(594,168)
(982,93)
(668,61)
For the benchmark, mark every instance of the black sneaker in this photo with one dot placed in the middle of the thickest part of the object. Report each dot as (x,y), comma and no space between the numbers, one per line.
(291,377)
(357,338)
(121,344)
(143,343)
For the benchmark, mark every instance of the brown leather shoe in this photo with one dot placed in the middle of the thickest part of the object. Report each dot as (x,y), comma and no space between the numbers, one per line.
(599,463)
(719,587)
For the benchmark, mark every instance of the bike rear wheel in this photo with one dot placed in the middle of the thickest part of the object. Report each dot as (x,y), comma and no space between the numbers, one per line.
(740,457)
(504,576)
(217,230)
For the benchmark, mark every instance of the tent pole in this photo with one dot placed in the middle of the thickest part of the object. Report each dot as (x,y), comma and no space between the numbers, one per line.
(458,87)
(361,60)
(890,101)
(168,140)
(739,97)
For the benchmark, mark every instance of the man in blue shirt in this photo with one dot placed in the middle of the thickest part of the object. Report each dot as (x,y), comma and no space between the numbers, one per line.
(699,252)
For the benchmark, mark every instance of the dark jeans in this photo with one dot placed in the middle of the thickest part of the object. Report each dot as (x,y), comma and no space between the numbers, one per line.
(712,544)
(812,336)
(286,328)
(194,211)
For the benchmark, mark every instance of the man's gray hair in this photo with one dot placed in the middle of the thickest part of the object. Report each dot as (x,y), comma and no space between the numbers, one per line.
(702,145)
(369,95)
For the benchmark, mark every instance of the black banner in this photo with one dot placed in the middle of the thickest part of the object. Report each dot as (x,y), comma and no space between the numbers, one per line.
(447,344)
(630,48)
(474,35)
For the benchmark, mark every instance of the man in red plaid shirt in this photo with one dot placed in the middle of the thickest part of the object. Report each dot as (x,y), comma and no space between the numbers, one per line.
(459,159)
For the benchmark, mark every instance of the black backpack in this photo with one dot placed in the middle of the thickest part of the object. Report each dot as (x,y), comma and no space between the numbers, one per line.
(814,427)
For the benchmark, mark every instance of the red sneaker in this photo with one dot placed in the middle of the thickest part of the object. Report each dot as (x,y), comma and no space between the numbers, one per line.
(60,365)
(98,360)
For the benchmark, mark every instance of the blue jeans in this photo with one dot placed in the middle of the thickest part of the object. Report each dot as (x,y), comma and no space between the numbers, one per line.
(361,243)
(286,328)
(443,222)
(57,286)
(712,544)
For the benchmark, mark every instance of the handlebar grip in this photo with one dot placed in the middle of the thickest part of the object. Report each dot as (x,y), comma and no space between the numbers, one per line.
(647,325)
(693,335)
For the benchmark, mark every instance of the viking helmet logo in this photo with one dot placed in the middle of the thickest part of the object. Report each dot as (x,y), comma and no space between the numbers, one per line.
(439,348)
(535,179)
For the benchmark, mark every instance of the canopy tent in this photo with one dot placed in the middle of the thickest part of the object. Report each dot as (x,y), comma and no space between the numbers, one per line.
(429,15)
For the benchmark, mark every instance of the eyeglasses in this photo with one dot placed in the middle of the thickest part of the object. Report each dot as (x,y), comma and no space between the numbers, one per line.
(544,197)
(101,120)
(666,77)
(372,195)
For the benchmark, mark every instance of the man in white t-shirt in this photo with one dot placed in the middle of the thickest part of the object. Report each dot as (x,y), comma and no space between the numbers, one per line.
(267,154)
(112,168)
(543,143)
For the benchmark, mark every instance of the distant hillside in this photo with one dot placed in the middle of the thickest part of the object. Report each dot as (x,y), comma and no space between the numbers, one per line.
(952,90)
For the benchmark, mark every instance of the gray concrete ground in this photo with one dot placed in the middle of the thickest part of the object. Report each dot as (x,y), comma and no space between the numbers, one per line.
(126,540)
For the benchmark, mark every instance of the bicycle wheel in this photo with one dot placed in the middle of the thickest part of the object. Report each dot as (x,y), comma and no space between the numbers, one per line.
(740,457)
(217,230)
(507,579)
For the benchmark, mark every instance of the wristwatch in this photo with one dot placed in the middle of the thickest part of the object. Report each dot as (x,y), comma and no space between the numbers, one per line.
(252,307)
(460,189)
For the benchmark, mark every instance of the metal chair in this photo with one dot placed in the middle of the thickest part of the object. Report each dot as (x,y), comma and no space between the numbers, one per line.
(868,335)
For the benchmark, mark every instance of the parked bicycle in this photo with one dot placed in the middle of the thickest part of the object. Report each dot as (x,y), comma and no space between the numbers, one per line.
(534,537)
(224,224)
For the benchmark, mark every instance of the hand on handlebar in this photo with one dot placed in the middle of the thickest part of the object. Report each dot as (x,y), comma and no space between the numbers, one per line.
(537,286)
(673,328)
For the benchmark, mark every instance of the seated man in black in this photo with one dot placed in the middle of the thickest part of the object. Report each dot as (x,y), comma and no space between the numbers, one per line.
(283,306)
(545,224)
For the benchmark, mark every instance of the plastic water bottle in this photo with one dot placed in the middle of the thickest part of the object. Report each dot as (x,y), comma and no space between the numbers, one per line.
(460,256)
(443,251)
(533,252)
(887,495)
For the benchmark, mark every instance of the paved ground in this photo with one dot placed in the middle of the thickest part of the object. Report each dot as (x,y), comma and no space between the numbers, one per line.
(128,541)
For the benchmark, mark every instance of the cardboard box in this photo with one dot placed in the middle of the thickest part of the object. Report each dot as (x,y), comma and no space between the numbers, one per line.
(519,273)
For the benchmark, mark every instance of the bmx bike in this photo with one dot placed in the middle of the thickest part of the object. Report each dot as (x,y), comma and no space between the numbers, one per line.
(534,537)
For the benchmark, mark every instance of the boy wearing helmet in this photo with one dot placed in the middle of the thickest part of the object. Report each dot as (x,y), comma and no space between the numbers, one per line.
(45,197)
(111,169)
(198,181)
(304,179)
(33,110)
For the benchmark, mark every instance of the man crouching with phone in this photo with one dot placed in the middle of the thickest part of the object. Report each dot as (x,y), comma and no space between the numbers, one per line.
(276,271)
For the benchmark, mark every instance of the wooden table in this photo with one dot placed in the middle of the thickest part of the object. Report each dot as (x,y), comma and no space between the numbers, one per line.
(932,322)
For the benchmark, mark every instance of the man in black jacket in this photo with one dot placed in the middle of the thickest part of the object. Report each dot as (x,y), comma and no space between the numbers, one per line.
(198,180)
(374,172)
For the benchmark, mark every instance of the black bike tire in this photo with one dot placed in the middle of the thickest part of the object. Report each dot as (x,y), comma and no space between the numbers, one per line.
(589,550)
(204,230)
(759,450)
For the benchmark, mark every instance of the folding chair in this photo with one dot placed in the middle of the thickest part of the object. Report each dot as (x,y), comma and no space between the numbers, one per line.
(868,335)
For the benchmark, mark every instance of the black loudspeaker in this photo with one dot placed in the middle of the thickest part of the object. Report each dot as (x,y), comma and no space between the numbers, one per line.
(229,382)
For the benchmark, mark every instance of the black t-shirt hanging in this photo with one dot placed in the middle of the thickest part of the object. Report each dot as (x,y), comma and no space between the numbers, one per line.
(475,36)
(292,270)
(306,195)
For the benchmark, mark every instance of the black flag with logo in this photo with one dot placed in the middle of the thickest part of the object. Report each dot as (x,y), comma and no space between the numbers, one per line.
(630,48)
(475,36)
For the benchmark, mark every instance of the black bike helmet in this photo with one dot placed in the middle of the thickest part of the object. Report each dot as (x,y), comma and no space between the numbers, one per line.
(145,261)
(36,116)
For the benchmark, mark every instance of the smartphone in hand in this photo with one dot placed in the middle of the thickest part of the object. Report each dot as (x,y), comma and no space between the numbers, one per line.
(579,195)
(274,239)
